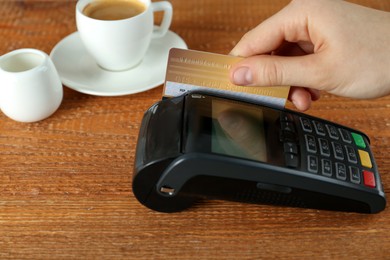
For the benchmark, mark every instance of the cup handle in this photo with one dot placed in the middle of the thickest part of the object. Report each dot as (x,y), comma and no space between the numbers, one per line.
(166,7)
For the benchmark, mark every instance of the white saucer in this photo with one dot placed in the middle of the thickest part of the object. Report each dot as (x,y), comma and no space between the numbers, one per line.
(78,70)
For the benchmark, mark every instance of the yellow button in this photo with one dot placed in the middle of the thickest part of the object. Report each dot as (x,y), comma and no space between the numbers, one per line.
(365,159)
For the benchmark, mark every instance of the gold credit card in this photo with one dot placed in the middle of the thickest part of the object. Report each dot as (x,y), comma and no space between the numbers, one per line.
(190,70)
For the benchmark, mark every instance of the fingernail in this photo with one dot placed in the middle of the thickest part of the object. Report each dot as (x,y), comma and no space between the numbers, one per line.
(242,76)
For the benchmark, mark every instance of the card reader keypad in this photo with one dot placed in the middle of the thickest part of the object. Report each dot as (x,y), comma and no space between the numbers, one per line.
(328,150)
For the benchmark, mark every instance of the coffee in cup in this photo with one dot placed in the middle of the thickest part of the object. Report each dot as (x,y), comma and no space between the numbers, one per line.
(114,10)
(117,33)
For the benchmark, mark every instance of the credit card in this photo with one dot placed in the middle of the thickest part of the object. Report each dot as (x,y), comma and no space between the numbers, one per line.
(190,70)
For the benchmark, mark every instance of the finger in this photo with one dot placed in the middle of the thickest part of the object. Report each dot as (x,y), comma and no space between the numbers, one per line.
(315,93)
(302,97)
(293,49)
(287,25)
(270,70)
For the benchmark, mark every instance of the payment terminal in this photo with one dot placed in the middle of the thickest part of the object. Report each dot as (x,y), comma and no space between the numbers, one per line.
(212,146)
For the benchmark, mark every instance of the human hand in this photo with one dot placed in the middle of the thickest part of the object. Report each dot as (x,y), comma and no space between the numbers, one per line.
(329,45)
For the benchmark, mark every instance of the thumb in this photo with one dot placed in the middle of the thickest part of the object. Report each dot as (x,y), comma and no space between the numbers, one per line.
(272,70)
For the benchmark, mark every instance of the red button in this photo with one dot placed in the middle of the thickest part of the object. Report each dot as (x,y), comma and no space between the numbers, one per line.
(369,179)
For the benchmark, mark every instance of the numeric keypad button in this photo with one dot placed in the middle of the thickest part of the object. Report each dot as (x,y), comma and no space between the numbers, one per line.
(306,125)
(332,131)
(319,127)
(311,145)
(312,163)
(326,167)
(354,174)
(351,154)
(341,171)
(338,151)
(324,147)
(345,136)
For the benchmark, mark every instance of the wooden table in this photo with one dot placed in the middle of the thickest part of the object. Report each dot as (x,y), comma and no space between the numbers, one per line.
(65,182)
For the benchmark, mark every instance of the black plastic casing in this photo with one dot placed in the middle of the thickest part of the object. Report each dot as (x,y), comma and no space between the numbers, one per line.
(160,163)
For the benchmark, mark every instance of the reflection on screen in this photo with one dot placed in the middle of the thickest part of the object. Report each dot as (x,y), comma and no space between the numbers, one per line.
(238,130)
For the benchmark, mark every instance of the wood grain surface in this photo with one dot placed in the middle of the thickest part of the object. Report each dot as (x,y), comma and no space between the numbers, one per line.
(65,182)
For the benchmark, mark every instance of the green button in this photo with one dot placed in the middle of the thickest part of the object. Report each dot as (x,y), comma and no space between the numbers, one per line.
(359,141)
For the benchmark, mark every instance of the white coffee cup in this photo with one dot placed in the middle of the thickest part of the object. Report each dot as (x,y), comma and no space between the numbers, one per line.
(118,45)
(30,88)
